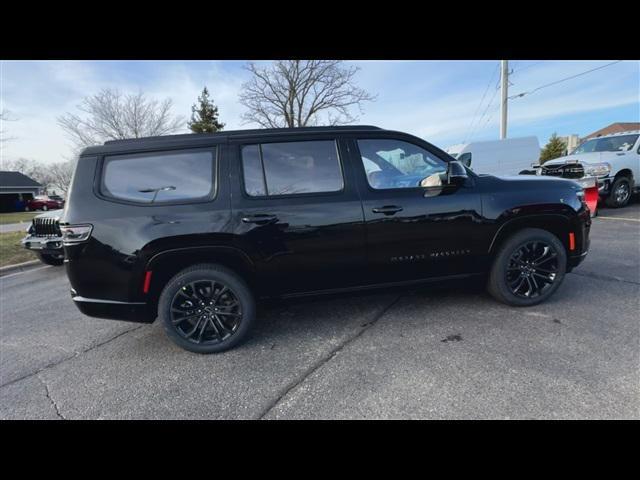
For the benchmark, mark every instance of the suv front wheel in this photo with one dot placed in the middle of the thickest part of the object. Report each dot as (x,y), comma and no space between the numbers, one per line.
(528,268)
(206,308)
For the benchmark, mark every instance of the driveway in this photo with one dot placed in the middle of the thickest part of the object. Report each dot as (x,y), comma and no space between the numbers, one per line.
(441,351)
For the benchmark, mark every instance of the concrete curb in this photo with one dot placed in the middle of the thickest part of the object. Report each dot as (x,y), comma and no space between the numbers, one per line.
(19,267)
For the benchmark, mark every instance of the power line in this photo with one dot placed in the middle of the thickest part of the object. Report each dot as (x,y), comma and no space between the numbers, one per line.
(495,92)
(562,80)
(518,70)
(475,113)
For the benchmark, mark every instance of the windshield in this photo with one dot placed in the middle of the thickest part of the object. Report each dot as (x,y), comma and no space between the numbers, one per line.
(620,143)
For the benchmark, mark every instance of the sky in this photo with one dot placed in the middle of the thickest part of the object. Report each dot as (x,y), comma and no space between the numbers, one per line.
(444,102)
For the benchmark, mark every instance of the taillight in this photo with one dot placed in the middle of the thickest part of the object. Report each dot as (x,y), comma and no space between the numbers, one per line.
(72,234)
(572,241)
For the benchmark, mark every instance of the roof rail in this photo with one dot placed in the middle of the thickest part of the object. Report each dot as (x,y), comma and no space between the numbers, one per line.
(231,133)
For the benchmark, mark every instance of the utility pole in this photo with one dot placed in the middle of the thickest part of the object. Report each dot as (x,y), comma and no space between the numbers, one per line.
(504,87)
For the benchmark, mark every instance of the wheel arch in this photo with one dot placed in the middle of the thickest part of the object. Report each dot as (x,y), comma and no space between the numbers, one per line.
(557,224)
(165,264)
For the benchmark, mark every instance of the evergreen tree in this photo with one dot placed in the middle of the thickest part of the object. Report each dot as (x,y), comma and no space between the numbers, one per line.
(204,117)
(554,148)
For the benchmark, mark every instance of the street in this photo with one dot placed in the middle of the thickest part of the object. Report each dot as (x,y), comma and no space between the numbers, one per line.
(434,352)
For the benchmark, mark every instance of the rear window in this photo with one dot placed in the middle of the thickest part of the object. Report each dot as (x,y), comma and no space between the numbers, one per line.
(167,177)
(291,168)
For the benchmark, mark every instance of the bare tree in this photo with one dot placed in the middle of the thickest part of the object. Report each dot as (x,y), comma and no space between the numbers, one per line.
(110,115)
(5,116)
(296,93)
(60,174)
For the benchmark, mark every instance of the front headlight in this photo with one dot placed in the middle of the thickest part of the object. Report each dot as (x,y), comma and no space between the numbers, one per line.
(597,169)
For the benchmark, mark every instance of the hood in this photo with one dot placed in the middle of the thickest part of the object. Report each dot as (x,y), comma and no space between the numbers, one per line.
(51,214)
(593,157)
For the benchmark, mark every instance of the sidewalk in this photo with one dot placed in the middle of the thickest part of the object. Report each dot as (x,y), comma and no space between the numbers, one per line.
(14,227)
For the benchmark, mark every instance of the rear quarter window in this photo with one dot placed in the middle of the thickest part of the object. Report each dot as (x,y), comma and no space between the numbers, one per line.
(160,177)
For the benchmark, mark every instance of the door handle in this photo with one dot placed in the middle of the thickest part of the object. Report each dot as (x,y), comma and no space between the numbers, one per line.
(387,209)
(260,218)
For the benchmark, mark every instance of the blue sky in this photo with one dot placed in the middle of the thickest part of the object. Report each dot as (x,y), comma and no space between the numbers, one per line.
(436,100)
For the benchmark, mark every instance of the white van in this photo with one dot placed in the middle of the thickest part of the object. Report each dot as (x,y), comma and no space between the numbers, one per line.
(510,156)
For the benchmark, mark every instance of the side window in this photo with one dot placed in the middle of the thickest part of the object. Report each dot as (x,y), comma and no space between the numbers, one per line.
(291,168)
(159,177)
(392,163)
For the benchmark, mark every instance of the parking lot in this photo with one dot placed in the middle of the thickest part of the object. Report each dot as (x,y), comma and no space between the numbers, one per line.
(434,352)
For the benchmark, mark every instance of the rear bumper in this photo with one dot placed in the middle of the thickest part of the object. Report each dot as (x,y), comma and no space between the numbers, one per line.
(113,310)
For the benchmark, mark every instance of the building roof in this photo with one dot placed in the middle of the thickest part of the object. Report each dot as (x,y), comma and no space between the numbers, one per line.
(17,179)
(617,127)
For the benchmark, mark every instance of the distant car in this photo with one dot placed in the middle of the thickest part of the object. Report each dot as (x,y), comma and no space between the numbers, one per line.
(44,203)
(44,238)
(614,160)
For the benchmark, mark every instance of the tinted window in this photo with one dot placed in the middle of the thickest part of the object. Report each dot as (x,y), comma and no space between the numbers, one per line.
(292,168)
(397,164)
(159,177)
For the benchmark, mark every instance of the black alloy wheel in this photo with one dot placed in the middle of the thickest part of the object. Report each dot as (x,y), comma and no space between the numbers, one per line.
(532,269)
(206,312)
(206,308)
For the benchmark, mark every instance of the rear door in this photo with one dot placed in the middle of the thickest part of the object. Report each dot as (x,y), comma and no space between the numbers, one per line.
(296,210)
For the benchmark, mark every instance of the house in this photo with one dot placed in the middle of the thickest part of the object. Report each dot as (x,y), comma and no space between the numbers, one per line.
(15,190)
(614,128)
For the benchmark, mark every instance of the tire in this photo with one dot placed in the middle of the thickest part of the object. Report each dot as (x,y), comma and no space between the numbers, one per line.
(620,193)
(45,208)
(27,209)
(206,333)
(49,259)
(515,265)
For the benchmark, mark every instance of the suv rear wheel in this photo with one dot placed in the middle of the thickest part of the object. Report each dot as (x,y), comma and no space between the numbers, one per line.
(206,308)
(528,268)
(620,193)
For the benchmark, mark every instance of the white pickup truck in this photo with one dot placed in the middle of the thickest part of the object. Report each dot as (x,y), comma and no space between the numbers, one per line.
(614,160)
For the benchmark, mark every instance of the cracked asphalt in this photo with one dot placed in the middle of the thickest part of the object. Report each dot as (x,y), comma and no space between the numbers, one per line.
(440,351)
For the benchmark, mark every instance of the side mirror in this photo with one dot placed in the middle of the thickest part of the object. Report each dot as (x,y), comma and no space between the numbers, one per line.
(456,173)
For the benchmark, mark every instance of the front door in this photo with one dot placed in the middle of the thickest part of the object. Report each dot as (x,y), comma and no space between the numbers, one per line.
(417,226)
(296,209)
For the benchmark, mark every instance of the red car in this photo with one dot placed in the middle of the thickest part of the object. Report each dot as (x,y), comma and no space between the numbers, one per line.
(44,202)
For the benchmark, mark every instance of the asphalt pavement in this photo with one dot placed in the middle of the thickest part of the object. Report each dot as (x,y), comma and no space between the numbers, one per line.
(429,353)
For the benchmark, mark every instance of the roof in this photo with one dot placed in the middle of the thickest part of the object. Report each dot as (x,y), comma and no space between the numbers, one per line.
(17,179)
(194,139)
(618,127)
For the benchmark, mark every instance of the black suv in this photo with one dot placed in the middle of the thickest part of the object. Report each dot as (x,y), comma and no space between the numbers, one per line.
(195,228)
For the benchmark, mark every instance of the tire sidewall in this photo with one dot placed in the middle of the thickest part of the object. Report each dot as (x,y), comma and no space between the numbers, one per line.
(612,202)
(501,262)
(219,274)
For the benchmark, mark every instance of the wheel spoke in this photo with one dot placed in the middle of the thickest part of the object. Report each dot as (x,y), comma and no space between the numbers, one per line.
(176,321)
(191,332)
(220,324)
(543,277)
(204,325)
(550,257)
(222,291)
